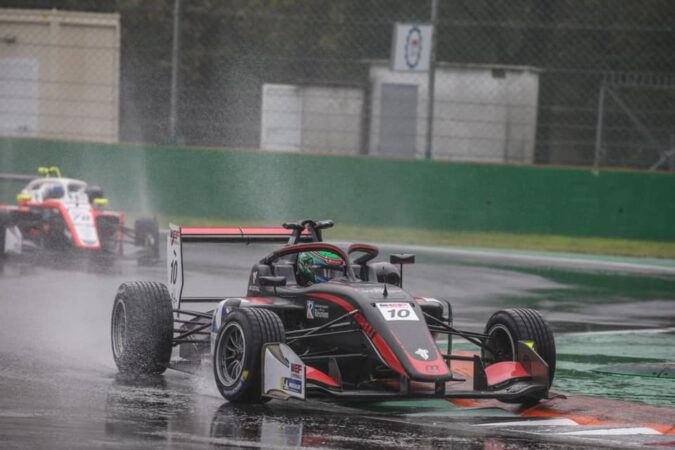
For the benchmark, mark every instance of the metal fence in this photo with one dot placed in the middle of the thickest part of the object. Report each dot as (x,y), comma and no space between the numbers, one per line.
(577,82)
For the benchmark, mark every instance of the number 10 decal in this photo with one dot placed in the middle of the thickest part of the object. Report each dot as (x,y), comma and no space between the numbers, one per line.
(397,311)
(174,260)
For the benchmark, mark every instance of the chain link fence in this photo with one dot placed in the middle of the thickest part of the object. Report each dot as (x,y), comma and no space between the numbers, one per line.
(576,82)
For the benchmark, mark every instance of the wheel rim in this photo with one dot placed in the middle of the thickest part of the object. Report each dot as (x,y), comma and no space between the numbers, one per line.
(119,329)
(231,352)
(501,341)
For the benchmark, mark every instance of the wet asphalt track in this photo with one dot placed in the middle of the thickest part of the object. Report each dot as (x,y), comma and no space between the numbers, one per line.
(59,387)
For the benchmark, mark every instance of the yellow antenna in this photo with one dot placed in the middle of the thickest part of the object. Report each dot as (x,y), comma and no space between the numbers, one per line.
(55,170)
(44,171)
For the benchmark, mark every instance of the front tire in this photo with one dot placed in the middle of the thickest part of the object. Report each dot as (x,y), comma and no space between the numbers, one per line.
(238,349)
(142,328)
(505,328)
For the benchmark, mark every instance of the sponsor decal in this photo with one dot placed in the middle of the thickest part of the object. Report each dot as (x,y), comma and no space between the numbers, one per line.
(315,311)
(296,370)
(413,47)
(422,353)
(175,236)
(254,277)
(432,368)
(291,385)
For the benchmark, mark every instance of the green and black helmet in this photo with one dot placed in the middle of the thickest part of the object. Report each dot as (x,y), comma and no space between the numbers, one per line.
(318,266)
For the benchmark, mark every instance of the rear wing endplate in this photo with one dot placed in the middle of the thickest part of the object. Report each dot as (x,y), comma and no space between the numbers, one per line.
(230,235)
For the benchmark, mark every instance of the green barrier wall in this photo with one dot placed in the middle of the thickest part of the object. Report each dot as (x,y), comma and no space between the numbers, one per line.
(368,191)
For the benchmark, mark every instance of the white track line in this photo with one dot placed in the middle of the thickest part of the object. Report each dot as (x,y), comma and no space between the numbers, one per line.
(532,423)
(630,431)
(562,260)
(627,331)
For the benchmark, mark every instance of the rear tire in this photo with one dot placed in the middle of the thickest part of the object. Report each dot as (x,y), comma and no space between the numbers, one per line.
(5,221)
(238,349)
(146,235)
(505,328)
(142,328)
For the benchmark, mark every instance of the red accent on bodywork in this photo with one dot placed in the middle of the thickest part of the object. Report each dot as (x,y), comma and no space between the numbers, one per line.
(362,248)
(332,298)
(270,230)
(320,377)
(388,354)
(433,367)
(502,371)
(379,342)
(264,300)
(308,247)
(219,230)
(236,231)
(20,208)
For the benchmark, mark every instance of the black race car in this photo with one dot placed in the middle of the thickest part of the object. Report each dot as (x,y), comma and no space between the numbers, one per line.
(324,320)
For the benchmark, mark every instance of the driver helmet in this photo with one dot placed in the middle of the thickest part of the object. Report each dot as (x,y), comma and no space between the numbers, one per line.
(317,266)
(55,191)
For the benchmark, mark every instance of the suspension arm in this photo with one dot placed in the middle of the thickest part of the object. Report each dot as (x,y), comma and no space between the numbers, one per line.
(324,326)
(474,338)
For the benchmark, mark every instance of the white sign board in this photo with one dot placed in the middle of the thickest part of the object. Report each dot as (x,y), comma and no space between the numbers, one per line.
(411,47)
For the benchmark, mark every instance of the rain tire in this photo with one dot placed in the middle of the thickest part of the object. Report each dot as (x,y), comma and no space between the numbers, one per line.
(241,382)
(505,328)
(142,328)
(146,236)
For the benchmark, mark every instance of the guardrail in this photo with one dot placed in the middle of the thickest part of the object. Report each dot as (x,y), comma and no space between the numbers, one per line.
(271,186)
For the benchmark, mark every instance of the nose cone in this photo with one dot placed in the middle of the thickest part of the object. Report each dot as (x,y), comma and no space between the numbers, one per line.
(400,328)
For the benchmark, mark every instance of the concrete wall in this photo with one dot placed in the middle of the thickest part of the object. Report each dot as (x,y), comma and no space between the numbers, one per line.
(325,119)
(275,186)
(481,113)
(59,74)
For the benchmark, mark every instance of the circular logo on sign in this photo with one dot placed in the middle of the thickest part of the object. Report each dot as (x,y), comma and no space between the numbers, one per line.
(413,47)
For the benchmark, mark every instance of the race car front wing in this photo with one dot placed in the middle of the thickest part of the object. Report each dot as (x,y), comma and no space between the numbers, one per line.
(285,376)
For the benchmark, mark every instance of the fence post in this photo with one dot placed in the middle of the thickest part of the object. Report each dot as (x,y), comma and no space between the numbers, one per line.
(174,72)
(598,130)
(431,81)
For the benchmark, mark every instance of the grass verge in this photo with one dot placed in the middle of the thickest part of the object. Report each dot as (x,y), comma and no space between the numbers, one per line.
(514,241)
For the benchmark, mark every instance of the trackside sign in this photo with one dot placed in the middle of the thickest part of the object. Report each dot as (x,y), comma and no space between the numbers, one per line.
(411,47)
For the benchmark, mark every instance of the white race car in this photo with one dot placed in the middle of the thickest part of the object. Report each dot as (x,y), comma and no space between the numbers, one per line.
(54,213)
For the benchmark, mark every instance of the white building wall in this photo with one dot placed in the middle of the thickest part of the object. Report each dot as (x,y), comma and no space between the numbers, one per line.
(76,90)
(481,113)
(322,119)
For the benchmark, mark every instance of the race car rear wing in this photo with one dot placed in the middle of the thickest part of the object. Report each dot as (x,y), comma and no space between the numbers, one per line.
(16,177)
(229,235)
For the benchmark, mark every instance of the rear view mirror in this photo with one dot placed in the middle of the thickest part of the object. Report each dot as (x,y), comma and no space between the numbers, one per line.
(402,258)
(272,281)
